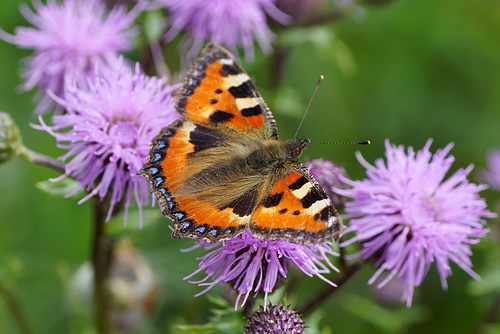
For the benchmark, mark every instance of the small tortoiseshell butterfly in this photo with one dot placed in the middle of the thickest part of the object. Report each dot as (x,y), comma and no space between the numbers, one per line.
(220,169)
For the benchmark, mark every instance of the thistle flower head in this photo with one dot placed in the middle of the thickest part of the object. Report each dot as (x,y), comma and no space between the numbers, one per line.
(492,175)
(407,216)
(274,319)
(109,127)
(69,39)
(231,23)
(331,177)
(251,264)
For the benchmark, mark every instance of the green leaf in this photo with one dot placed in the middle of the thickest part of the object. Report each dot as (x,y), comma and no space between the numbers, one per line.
(325,43)
(312,323)
(489,283)
(60,188)
(117,227)
(224,320)
(154,26)
(388,320)
(288,101)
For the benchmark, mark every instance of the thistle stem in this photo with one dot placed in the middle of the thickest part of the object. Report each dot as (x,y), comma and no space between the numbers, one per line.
(40,159)
(16,309)
(102,253)
(329,290)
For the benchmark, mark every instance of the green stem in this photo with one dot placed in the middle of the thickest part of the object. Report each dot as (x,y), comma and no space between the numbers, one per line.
(41,159)
(329,290)
(16,309)
(102,253)
(492,317)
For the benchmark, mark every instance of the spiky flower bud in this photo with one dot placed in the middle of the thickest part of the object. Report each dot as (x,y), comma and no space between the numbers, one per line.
(274,319)
(10,139)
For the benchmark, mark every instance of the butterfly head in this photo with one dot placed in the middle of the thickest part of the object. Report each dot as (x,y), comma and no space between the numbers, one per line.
(295,147)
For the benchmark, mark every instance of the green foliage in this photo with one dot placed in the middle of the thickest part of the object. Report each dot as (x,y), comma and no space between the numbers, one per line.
(60,187)
(388,320)
(223,320)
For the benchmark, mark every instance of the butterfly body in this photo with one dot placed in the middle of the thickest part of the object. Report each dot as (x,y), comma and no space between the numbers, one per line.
(220,169)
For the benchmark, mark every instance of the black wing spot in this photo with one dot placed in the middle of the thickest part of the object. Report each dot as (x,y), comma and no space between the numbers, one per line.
(203,138)
(296,213)
(245,204)
(213,101)
(324,214)
(220,116)
(282,211)
(312,196)
(254,111)
(298,183)
(246,89)
(273,200)
(218,91)
(229,70)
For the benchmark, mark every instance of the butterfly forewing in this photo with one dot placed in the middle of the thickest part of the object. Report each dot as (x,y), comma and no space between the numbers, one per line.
(218,92)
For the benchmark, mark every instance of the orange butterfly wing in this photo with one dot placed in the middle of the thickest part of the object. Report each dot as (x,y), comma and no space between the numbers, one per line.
(218,92)
(298,210)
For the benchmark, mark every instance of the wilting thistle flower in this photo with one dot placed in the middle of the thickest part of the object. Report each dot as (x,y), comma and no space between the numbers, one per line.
(406,216)
(110,124)
(330,176)
(274,319)
(231,23)
(492,175)
(251,264)
(69,39)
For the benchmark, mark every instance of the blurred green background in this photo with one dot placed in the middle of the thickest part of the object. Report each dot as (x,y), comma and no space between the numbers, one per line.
(406,71)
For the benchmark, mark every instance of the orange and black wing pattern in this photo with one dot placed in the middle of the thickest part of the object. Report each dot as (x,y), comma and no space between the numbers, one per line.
(297,209)
(218,92)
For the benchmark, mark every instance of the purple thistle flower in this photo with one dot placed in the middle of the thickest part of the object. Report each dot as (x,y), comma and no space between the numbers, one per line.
(231,23)
(492,175)
(274,319)
(330,176)
(253,264)
(110,125)
(406,216)
(69,39)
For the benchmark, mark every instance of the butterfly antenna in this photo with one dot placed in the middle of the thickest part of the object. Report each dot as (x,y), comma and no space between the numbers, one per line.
(310,101)
(366,142)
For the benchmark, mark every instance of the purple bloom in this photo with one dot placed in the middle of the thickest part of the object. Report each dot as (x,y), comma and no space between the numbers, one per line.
(231,23)
(492,176)
(253,264)
(330,176)
(406,216)
(274,319)
(69,39)
(110,125)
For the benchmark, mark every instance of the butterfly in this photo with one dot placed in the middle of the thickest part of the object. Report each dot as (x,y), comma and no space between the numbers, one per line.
(220,169)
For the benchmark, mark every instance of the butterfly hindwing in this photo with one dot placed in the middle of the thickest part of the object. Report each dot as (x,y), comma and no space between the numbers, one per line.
(170,169)
(297,209)
(218,92)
